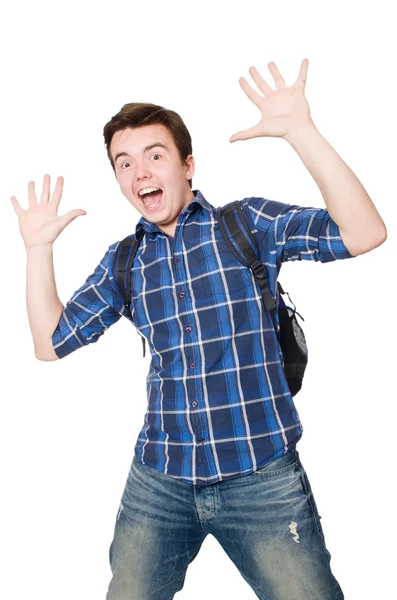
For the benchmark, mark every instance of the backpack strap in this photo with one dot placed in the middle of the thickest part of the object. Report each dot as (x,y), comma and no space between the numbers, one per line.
(127,249)
(122,266)
(228,213)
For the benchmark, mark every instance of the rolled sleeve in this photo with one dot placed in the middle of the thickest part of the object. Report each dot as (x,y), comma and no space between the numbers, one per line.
(91,310)
(298,233)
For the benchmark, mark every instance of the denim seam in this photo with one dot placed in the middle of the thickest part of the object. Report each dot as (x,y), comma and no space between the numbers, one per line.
(309,495)
(260,473)
(177,589)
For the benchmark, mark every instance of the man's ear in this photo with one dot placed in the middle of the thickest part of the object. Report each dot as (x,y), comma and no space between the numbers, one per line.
(190,166)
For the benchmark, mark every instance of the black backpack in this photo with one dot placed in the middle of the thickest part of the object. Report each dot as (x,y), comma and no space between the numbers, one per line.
(289,333)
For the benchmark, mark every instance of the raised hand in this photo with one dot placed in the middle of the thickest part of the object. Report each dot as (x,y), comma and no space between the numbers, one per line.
(40,224)
(283,110)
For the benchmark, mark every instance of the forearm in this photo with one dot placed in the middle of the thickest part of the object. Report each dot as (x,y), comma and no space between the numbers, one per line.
(43,305)
(348,203)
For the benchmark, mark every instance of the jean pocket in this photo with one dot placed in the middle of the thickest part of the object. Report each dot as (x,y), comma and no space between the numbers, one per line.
(282,464)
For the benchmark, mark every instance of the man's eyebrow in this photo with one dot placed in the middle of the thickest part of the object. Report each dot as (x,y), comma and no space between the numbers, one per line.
(145,150)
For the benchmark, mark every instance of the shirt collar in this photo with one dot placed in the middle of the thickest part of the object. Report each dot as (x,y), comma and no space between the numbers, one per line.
(198,200)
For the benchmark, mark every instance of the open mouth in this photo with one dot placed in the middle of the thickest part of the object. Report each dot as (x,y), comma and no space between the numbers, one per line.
(152,200)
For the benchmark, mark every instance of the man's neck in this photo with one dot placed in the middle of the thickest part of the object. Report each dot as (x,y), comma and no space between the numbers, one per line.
(169,229)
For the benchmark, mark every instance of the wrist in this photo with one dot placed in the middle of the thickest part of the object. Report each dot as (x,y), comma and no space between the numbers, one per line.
(301,132)
(38,249)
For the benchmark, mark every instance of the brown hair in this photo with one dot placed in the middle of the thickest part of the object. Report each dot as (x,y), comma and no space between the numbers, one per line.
(137,114)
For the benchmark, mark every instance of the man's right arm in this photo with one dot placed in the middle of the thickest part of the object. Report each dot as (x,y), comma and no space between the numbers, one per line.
(43,304)
(58,330)
(91,310)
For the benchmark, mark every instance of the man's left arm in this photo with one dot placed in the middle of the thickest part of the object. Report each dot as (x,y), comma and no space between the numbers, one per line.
(285,113)
(361,226)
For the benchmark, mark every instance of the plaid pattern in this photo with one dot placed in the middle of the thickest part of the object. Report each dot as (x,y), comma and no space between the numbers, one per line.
(219,406)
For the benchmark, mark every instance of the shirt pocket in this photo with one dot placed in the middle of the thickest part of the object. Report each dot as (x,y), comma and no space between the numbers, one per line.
(224,274)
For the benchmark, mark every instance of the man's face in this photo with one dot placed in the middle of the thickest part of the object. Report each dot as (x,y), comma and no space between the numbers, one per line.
(142,167)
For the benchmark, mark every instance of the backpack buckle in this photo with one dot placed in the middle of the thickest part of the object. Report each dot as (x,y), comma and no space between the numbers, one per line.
(259,269)
(260,275)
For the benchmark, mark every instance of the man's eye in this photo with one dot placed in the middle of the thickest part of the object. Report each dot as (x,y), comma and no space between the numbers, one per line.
(128,162)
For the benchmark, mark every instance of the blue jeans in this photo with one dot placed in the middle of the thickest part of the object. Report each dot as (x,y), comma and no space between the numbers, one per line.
(267,522)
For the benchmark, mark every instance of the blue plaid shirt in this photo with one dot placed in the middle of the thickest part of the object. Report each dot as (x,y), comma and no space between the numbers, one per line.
(218,403)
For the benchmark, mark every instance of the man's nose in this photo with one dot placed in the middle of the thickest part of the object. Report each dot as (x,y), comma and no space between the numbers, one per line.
(142,171)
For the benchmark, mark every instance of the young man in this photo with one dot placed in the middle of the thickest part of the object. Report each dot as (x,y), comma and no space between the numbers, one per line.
(217,450)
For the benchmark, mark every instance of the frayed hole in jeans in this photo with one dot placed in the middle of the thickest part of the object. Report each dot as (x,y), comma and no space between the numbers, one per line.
(120,509)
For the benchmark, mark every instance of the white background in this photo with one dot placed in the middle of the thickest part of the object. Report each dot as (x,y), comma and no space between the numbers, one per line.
(68,428)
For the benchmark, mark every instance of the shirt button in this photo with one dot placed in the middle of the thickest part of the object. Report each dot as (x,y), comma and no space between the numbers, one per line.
(181,294)
(176,259)
(192,365)
(194,404)
(201,440)
(188,329)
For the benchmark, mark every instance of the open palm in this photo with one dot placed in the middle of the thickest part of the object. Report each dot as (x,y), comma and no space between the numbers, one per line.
(40,223)
(283,110)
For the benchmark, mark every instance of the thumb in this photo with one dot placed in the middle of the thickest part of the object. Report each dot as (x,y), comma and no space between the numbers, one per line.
(66,219)
(235,137)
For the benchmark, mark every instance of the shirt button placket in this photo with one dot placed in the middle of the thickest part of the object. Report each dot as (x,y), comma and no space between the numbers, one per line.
(192,365)
(194,404)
